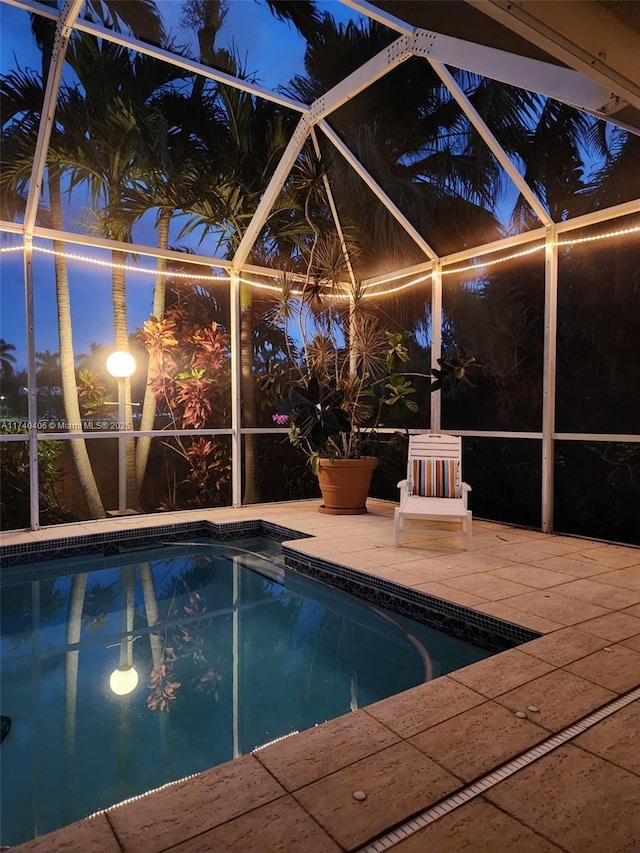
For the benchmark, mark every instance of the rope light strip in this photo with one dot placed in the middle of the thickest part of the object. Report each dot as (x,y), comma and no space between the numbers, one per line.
(126,267)
(400,287)
(483,264)
(275,289)
(633,229)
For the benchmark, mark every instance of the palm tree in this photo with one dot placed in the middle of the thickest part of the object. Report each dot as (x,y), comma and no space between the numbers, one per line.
(7,359)
(114,119)
(142,17)
(23,96)
(173,160)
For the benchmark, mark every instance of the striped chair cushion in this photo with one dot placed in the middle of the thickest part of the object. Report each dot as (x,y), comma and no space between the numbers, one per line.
(435,478)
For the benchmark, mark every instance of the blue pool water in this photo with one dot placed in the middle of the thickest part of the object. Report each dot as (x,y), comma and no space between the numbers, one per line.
(230,650)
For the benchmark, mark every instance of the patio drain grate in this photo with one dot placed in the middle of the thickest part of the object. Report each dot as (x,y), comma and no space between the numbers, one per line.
(390,839)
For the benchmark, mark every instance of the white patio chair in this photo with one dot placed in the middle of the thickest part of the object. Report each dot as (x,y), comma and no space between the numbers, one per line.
(433,488)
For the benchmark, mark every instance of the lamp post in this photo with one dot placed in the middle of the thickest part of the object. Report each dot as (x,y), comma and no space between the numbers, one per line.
(124,679)
(121,365)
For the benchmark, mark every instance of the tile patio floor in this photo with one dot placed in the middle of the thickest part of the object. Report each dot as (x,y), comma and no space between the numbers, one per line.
(412,750)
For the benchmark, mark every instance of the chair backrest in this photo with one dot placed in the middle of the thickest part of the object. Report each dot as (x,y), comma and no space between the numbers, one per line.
(447,480)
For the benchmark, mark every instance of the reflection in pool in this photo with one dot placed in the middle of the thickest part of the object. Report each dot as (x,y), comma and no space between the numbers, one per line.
(120,677)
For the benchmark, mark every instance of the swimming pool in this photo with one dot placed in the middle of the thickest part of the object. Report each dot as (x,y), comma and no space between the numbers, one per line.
(124,672)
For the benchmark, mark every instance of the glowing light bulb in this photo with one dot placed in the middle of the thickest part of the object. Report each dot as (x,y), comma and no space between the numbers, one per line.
(121,364)
(123,680)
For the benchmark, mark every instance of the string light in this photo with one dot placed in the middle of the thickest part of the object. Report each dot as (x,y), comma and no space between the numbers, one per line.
(400,287)
(483,264)
(631,230)
(274,288)
(127,267)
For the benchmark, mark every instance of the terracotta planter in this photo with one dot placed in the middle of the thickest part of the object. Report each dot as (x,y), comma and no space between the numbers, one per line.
(344,484)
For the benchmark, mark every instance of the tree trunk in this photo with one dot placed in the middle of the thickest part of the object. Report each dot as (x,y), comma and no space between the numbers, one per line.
(121,337)
(251,493)
(79,452)
(72,660)
(149,403)
(151,609)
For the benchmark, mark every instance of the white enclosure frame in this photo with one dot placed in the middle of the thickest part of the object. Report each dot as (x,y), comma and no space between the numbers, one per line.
(565,84)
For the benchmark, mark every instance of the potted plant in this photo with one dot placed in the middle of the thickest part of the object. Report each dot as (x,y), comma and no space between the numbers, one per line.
(335,413)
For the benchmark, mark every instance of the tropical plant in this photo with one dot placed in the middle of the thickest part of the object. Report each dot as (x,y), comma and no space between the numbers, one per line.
(188,373)
(15,487)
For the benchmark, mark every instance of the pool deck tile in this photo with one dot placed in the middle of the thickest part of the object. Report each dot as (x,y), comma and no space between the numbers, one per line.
(185,809)
(564,646)
(487,586)
(448,593)
(398,782)
(476,827)
(505,610)
(576,565)
(550,605)
(574,798)
(281,826)
(596,592)
(628,578)
(613,627)
(500,673)
(531,576)
(632,642)
(91,834)
(478,740)
(616,739)
(296,762)
(424,706)
(561,698)
(581,797)
(615,667)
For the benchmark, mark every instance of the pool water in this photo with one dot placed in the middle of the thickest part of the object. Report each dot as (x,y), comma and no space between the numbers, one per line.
(230,652)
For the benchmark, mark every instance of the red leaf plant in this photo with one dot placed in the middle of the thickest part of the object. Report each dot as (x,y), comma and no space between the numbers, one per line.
(189,370)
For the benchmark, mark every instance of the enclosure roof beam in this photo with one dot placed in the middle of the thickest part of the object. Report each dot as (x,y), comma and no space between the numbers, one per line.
(375,68)
(189,65)
(377,190)
(300,135)
(588,36)
(554,81)
(68,14)
(35,8)
(496,149)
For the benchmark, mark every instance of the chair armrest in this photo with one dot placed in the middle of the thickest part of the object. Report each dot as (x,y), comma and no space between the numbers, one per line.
(466,487)
(405,489)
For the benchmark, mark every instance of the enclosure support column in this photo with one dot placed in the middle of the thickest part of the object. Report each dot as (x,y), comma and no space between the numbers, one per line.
(32,400)
(436,342)
(235,659)
(122,447)
(236,419)
(549,376)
